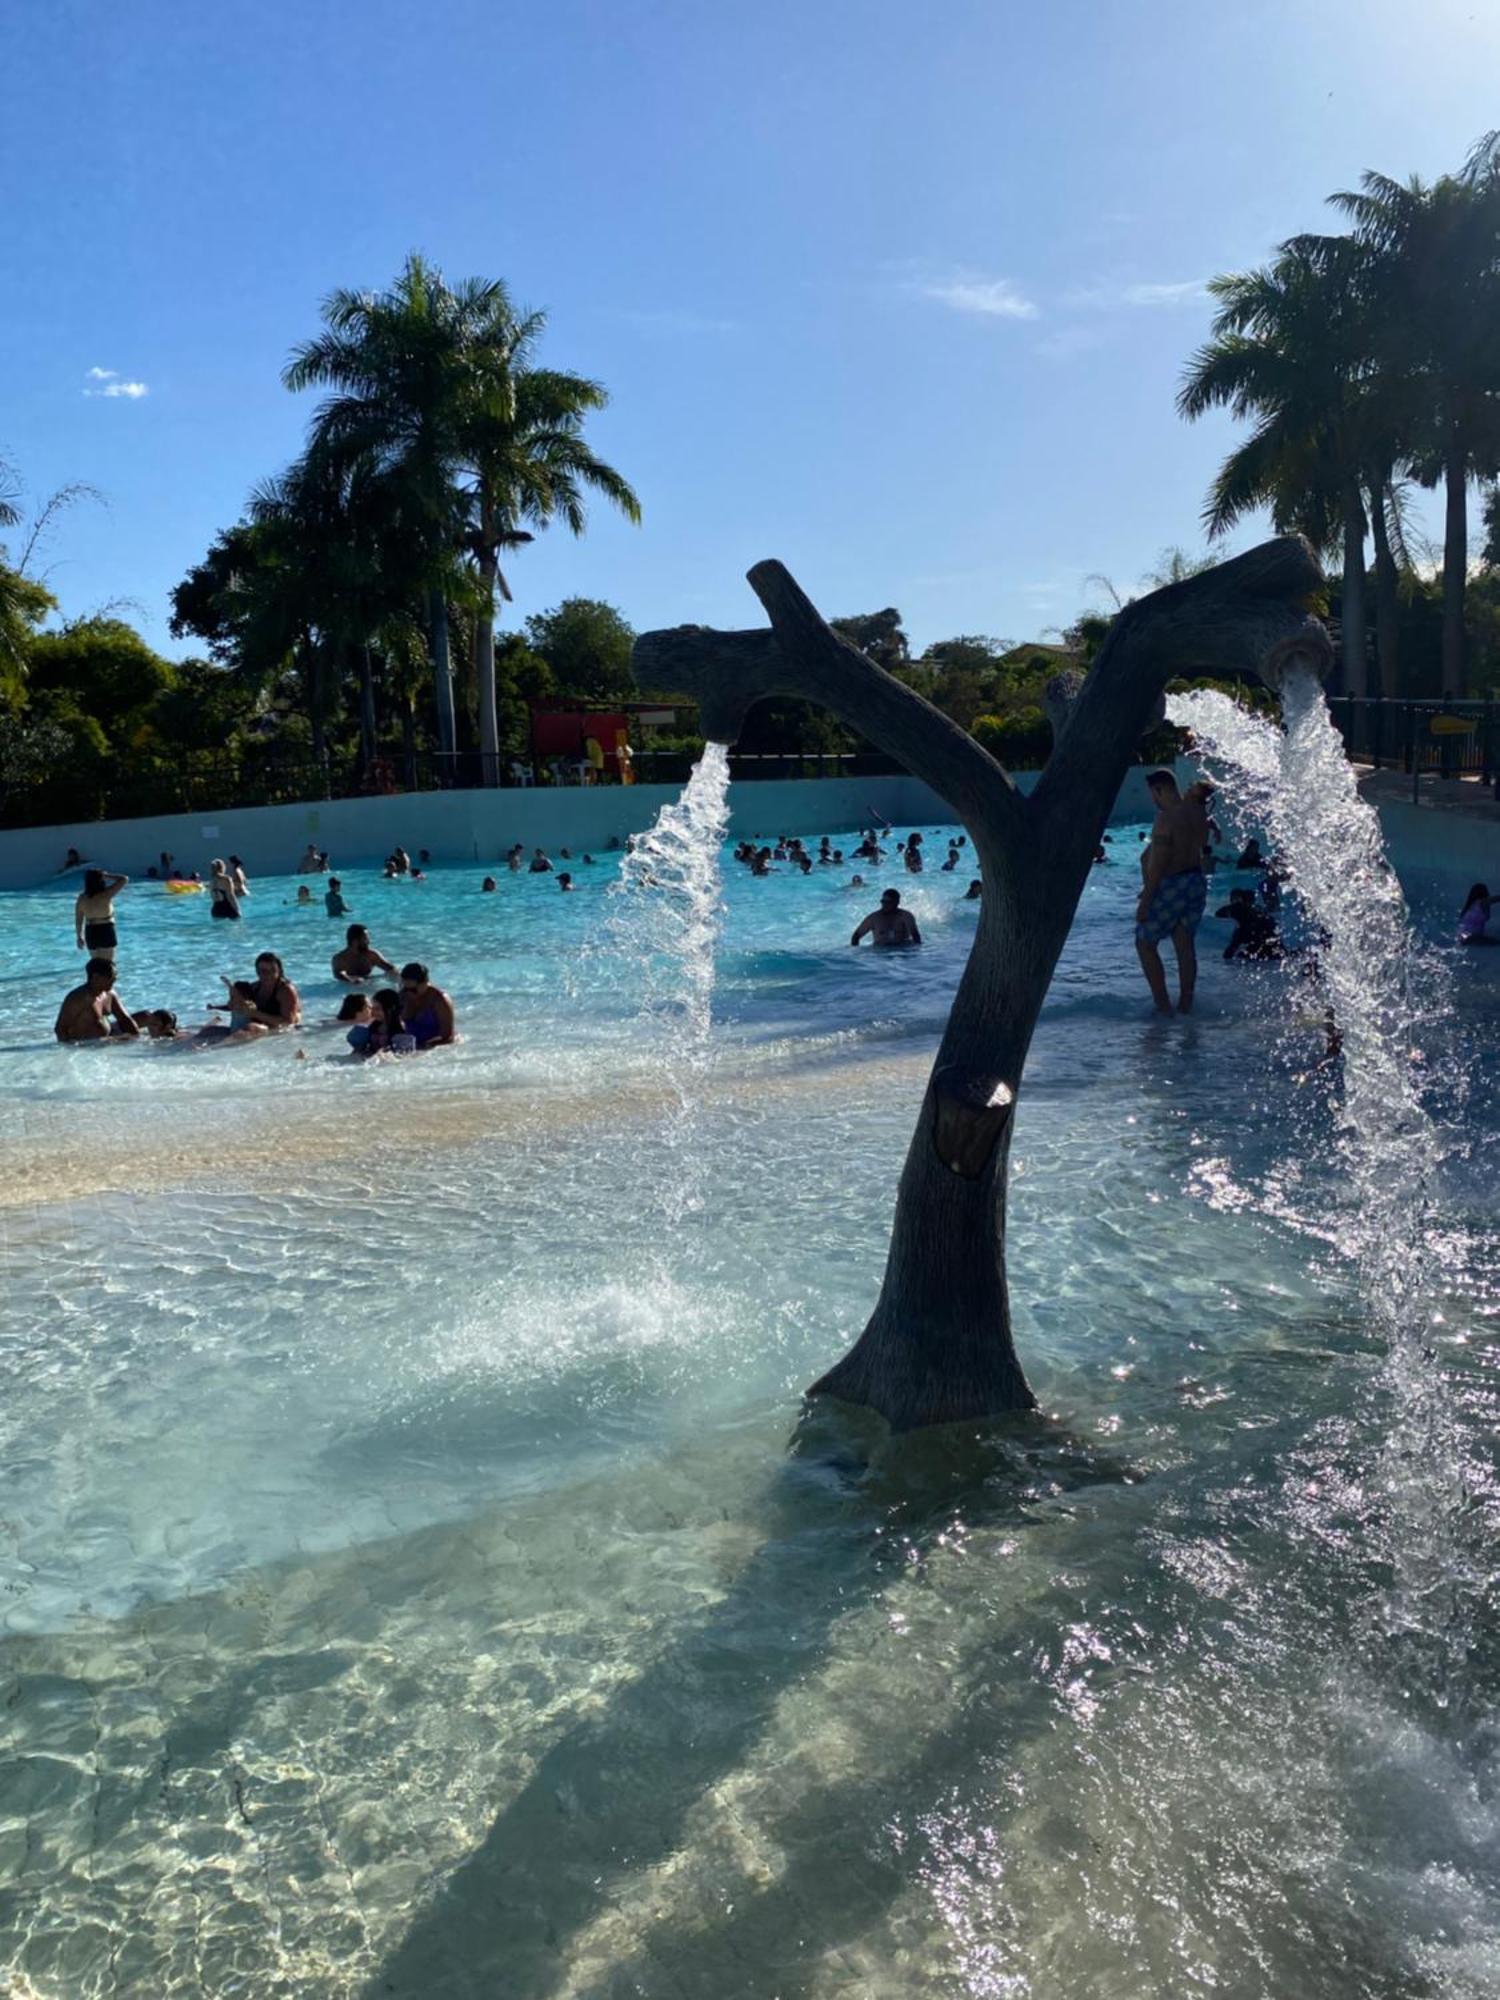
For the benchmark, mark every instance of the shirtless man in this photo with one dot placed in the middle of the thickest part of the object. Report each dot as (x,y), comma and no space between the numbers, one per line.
(890,925)
(1173,887)
(94,1011)
(359,959)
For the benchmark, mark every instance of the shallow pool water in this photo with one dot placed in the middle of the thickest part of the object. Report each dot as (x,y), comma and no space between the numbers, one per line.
(417,1581)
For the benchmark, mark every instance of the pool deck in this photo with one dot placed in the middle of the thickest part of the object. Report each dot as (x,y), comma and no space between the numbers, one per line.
(1466,796)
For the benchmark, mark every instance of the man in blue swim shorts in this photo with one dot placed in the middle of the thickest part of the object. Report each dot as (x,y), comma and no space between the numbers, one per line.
(1174,887)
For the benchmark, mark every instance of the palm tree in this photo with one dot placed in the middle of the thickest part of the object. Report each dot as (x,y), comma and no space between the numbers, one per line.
(1433,259)
(1287,351)
(400,363)
(527,465)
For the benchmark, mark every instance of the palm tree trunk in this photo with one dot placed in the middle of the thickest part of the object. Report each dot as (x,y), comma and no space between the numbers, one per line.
(367,731)
(1455,561)
(484,664)
(442,675)
(1352,611)
(1387,612)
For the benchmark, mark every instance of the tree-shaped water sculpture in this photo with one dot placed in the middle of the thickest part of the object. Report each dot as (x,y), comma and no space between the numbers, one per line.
(938,1345)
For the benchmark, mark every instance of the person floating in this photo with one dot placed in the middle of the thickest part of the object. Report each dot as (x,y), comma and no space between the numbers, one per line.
(94,913)
(1474,918)
(359,959)
(890,925)
(1174,887)
(94,1011)
(224,902)
(426,1011)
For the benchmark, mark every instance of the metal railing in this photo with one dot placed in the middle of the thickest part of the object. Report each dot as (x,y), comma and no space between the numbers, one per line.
(1444,739)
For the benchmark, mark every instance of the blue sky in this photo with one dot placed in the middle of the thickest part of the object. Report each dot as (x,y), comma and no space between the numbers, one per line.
(898,293)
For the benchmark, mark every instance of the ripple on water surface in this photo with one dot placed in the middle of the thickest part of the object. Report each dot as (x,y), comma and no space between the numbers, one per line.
(410,1589)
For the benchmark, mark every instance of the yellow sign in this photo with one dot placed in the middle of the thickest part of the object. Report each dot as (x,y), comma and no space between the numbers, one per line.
(1451,725)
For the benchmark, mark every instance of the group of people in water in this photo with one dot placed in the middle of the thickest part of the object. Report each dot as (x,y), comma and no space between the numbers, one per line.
(1177,858)
(400,1019)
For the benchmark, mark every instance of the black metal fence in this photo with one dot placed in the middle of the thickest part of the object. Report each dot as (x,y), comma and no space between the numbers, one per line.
(1445,739)
(206,782)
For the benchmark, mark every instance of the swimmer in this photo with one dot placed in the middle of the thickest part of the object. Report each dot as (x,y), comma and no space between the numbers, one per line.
(359,959)
(426,1011)
(890,925)
(914,855)
(333,901)
(540,865)
(223,902)
(268,1001)
(311,862)
(304,897)
(1101,859)
(94,913)
(855,882)
(974,891)
(356,1014)
(565,882)
(160,1024)
(1475,916)
(94,1011)
(72,860)
(238,876)
(588,860)
(384,1033)
(1255,934)
(487,886)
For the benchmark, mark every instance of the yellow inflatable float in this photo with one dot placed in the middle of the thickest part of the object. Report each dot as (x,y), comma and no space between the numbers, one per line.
(184,888)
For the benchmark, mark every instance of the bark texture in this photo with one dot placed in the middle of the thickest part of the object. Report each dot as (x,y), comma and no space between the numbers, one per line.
(938,1345)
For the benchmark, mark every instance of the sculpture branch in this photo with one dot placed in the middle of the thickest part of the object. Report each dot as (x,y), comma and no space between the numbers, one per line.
(938,1346)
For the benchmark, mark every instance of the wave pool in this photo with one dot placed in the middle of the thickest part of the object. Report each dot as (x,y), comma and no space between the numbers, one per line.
(417,1581)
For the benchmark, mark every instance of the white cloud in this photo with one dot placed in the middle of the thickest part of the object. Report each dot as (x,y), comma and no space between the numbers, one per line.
(109,382)
(1185,293)
(1181,292)
(991,298)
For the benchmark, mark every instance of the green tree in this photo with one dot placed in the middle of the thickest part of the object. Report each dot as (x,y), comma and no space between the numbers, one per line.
(1433,257)
(1288,351)
(436,396)
(525,464)
(586,643)
(102,665)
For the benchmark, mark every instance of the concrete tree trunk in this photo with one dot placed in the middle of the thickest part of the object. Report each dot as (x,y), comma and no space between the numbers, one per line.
(938,1345)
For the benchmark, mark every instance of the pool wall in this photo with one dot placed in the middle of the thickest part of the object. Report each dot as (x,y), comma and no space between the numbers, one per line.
(475,826)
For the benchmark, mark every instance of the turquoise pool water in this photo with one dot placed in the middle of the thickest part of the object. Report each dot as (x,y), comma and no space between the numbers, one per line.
(415,1582)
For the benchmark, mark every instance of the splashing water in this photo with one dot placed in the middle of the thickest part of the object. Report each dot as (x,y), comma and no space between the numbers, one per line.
(663,928)
(1396,1126)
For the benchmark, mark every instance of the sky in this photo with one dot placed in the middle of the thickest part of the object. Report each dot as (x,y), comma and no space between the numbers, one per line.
(900,294)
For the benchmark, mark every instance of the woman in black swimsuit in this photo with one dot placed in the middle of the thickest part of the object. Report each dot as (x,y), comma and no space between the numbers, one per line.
(94,913)
(225,904)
